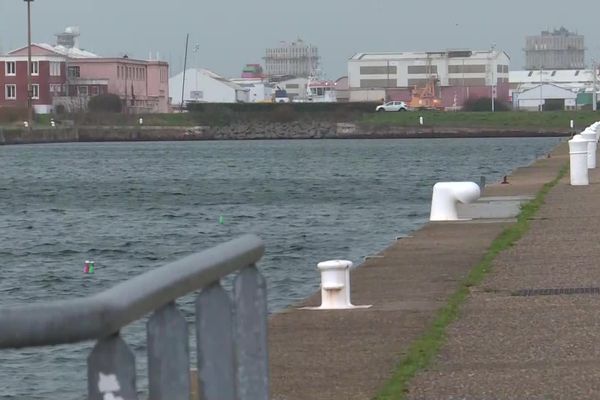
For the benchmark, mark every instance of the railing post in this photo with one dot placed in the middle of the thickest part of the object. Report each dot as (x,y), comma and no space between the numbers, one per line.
(250,333)
(214,336)
(111,370)
(168,355)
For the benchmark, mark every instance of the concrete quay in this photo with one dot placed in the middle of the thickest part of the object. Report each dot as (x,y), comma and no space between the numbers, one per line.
(510,343)
(351,354)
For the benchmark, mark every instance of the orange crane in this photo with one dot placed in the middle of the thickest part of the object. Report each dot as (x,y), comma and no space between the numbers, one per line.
(425,97)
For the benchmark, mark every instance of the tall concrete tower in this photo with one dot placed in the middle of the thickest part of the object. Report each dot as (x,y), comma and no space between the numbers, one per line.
(296,58)
(558,49)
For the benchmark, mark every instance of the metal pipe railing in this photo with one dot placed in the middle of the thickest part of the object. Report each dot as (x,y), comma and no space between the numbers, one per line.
(107,312)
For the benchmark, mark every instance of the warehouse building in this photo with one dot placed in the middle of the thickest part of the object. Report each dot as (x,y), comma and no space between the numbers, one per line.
(578,81)
(459,74)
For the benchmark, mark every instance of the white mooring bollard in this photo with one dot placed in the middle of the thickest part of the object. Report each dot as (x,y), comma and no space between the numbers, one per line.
(447,194)
(596,128)
(592,144)
(335,286)
(578,158)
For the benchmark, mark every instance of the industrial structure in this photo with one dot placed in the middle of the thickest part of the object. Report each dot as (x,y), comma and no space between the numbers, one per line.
(450,76)
(558,49)
(298,59)
(204,86)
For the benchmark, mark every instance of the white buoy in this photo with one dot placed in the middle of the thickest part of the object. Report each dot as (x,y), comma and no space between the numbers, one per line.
(592,144)
(421,120)
(447,194)
(578,161)
(335,286)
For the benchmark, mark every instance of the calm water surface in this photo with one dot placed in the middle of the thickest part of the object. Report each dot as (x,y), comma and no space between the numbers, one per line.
(132,207)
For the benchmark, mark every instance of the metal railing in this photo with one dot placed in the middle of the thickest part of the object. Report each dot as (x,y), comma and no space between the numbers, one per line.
(231,331)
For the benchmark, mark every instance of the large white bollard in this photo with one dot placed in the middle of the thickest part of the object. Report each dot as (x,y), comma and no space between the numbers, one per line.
(447,194)
(578,158)
(596,128)
(335,286)
(592,144)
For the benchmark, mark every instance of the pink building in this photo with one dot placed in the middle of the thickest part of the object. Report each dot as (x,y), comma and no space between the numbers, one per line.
(142,85)
(68,77)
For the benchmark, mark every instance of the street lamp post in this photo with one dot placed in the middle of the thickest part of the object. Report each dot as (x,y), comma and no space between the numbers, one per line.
(594,86)
(29,87)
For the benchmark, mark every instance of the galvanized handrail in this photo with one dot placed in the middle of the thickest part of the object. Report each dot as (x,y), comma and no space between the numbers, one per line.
(105,313)
(231,332)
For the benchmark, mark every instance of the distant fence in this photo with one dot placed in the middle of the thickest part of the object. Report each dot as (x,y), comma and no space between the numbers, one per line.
(231,332)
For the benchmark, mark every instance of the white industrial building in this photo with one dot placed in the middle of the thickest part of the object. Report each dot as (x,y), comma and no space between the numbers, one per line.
(573,79)
(579,82)
(204,86)
(295,87)
(259,90)
(371,75)
(537,97)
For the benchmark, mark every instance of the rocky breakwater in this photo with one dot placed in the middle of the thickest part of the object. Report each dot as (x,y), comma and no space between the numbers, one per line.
(261,130)
(342,130)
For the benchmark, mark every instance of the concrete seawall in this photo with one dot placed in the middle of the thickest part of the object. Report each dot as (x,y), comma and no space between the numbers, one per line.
(255,131)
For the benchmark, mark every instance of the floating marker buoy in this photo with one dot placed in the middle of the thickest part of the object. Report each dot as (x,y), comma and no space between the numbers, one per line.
(88,267)
(221,220)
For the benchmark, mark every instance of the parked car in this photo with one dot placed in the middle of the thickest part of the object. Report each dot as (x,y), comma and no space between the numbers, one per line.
(392,106)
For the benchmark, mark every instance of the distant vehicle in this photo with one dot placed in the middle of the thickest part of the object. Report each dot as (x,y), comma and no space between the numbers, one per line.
(281,96)
(392,106)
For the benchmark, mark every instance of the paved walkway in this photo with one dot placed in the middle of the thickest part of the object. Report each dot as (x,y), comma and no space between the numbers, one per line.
(531,347)
(349,355)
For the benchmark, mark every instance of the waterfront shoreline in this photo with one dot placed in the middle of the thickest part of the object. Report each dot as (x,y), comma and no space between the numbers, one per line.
(408,283)
(268,131)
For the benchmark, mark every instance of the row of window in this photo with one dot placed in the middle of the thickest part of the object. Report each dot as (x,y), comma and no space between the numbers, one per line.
(392,83)
(10,91)
(10,68)
(430,69)
(134,73)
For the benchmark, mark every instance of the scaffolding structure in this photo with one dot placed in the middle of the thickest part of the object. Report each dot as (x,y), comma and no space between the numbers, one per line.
(297,59)
(558,49)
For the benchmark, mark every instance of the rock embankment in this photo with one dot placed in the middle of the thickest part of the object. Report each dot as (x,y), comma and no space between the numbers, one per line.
(255,131)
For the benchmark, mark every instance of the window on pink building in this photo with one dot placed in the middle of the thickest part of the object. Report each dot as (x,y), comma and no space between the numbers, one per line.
(35,91)
(10,92)
(95,90)
(74,71)
(10,68)
(54,68)
(35,68)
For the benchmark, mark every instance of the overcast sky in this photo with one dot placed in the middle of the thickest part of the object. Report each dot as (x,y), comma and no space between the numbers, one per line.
(231,33)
